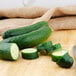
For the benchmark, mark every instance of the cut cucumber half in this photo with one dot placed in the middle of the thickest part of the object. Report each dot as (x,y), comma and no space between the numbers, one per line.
(9,51)
(30,53)
(66,61)
(56,55)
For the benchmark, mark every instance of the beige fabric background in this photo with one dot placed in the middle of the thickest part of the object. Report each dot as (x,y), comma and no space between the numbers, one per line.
(58,18)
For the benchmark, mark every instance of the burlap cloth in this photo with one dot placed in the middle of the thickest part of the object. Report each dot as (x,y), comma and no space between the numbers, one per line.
(58,18)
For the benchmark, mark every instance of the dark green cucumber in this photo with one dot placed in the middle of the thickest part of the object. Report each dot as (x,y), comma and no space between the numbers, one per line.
(48,47)
(56,55)
(66,61)
(40,47)
(30,39)
(53,48)
(29,53)
(9,51)
(57,47)
(24,30)
(44,47)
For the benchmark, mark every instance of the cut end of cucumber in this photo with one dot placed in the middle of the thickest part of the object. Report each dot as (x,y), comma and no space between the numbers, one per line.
(59,53)
(14,51)
(29,50)
(56,55)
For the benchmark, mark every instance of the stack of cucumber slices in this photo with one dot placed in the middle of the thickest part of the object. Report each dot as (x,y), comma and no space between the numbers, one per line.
(60,56)
(25,38)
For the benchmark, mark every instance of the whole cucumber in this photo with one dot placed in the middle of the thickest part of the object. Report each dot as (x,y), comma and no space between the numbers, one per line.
(30,39)
(24,30)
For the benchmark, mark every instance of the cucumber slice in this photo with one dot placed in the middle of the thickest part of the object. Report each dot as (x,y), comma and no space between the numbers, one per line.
(47,45)
(30,53)
(44,46)
(51,48)
(58,55)
(66,61)
(9,51)
(57,47)
(40,47)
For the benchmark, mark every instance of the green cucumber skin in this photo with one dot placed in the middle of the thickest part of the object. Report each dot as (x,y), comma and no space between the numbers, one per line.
(5,51)
(66,61)
(30,55)
(24,30)
(30,39)
(55,58)
(40,47)
(44,46)
(57,47)
(48,46)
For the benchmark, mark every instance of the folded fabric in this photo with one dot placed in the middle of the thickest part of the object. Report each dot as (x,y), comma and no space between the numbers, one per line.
(58,18)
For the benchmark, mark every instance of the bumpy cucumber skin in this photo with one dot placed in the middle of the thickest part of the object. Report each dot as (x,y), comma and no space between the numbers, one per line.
(30,39)
(66,61)
(30,55)
(5,51)
(23,30)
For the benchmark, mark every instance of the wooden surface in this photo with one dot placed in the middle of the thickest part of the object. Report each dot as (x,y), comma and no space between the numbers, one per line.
(43,66)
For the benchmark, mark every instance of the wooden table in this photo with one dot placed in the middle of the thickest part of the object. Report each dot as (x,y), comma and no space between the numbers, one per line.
(43,66)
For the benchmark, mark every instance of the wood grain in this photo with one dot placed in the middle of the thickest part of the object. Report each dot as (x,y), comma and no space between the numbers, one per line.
(43,66)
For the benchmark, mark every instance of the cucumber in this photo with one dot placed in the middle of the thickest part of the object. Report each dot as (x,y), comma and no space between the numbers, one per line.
(40,47)
(9,51)
(66,61)
(57,47)
(56,55)
(49,47)
(62,58)
(24,30)
(29,53)
(44,46)
(30,39)
(53,48)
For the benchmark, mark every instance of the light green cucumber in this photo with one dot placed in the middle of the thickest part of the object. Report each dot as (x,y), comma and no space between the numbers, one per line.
(29,53)
(24,30)
(30,39)
(9,51)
